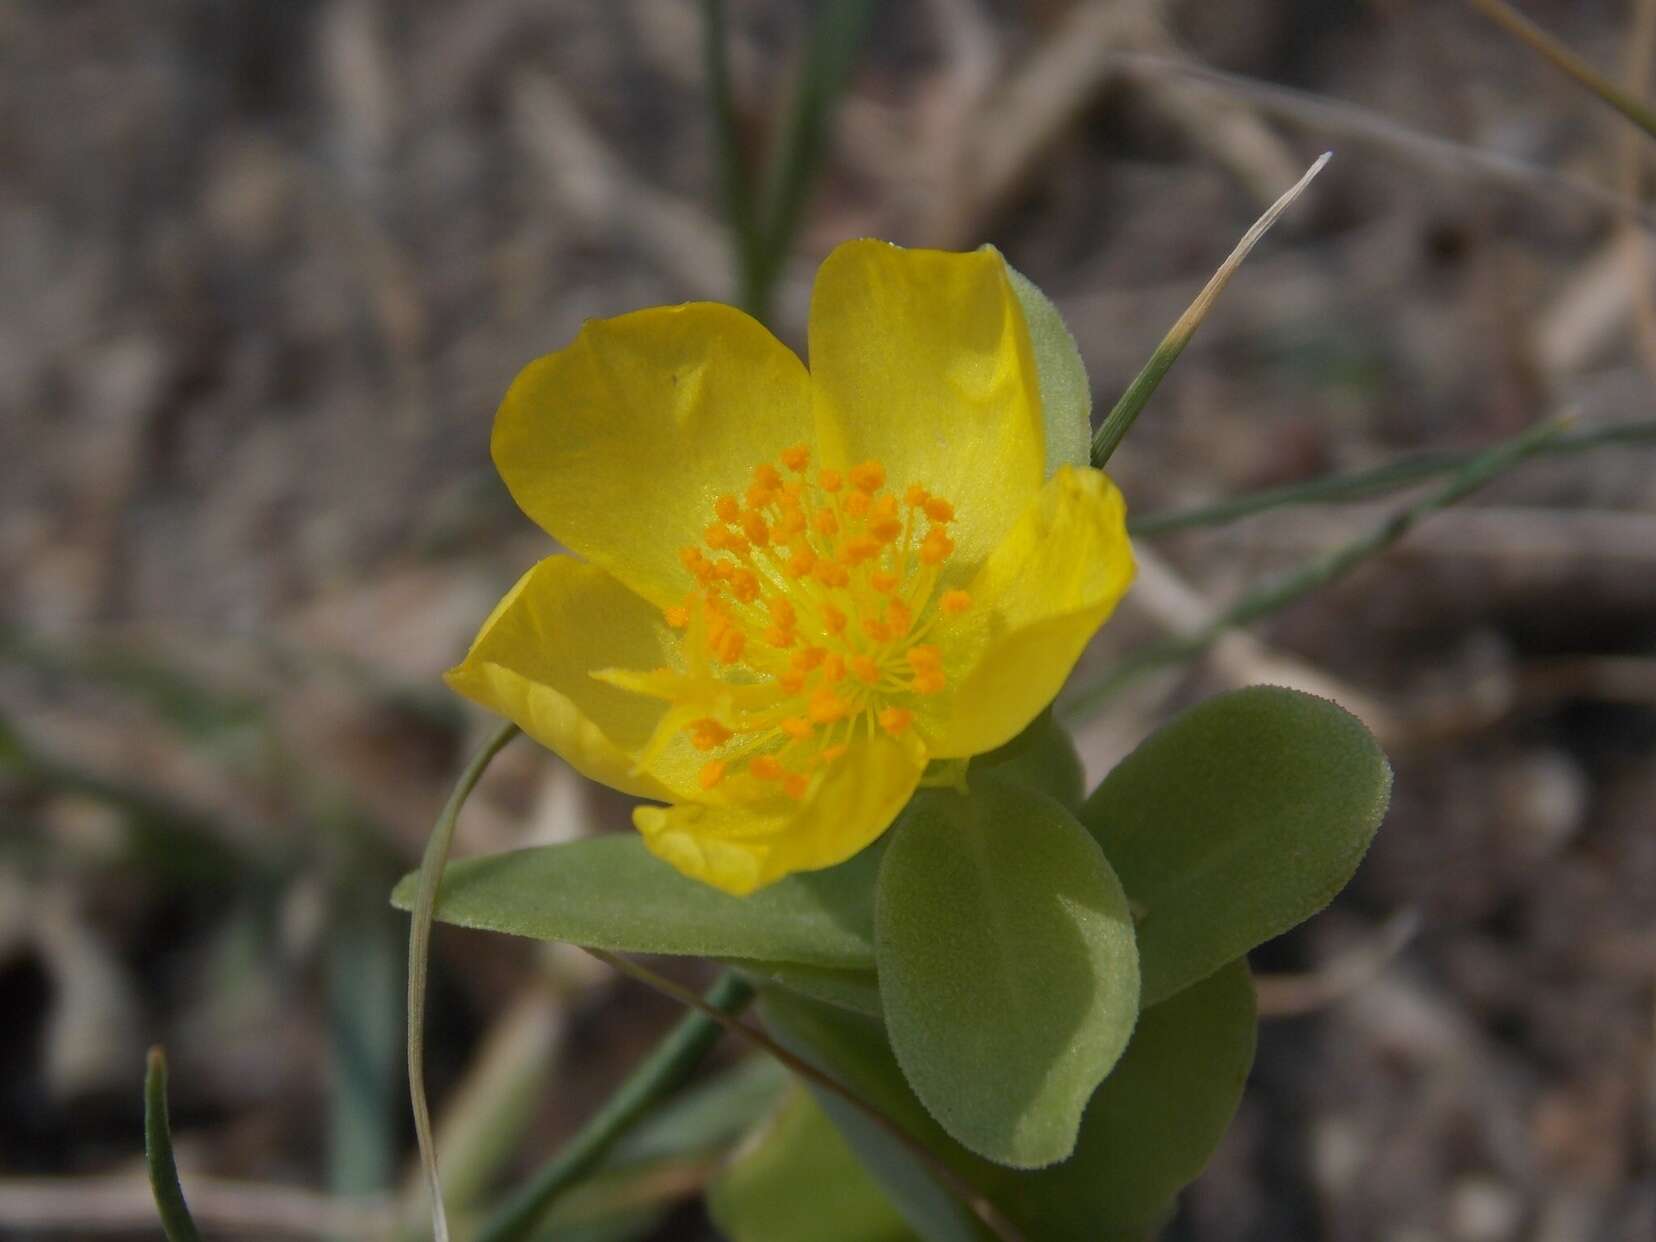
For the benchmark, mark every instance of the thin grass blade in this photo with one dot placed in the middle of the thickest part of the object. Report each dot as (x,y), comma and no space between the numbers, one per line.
(176,1222)
(1115,426)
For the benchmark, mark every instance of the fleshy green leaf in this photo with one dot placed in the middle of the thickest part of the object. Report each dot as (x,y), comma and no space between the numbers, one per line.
(799,1181)
(610,892)
(1153,1124)
(853,1050)
(1237,820)
(1066,395)
(856,990)
(1007,968)
(1042,757)
(1148,1131)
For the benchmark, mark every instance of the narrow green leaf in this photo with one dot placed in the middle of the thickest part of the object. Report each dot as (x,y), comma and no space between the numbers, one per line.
(798,1181)
(1007,967)
(610,892)
(1042,757)
(422,896)
(1116,423)
(1234,822)
(1066,393)
(856,990)
(158,1154)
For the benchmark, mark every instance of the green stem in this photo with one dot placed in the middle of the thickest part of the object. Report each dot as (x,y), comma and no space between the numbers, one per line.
(662,1071)
(419,954)
(1360,484)
(838,32)
(158,1154)
(734,180)
(1315,573)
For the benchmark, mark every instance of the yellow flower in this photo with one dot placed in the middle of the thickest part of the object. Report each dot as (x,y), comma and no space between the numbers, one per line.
(796,588)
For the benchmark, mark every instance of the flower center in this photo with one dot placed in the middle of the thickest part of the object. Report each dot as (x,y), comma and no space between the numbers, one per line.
(813,598)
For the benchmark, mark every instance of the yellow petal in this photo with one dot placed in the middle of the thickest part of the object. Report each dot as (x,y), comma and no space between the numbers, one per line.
(739,850)
(533,662)
(922,361)
(1035,604)
(619,444)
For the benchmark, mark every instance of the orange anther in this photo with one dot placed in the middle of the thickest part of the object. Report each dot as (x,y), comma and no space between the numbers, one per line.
(882,581)
(896,719)
(776,636)
(886,530)
(781,612)
(928,681)
(765,474)
(939,510)
(677,616)
(830,480)
(876,629)
(833,669)
(796,458)
(869,477)
(795,786)
(727,508)
(807,658)
(756,530)
(744,586)
(936,546)
(723,571)
(830,574)
(729,647)
(711,774)
(916,496)
(707,733)
(866,670)
(798,728)
(833,619)
(826,707)
(736,543)
(856,504)
(765,767)
(800,562)
(954,603)
(924,655)
(758,495)
(790,524)
(715,536)
(858,549)
(825,522)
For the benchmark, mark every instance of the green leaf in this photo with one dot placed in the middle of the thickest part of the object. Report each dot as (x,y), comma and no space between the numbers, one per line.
(1154,1123)
(1066,395)
(852,1049)
(856,990)
(1042,757)
(1234,822)
(1148,1131)
(610,892)
(800,1182)
(1007,968)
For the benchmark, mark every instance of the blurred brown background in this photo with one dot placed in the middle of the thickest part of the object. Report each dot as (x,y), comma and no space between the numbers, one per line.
(265,268)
